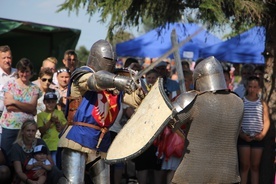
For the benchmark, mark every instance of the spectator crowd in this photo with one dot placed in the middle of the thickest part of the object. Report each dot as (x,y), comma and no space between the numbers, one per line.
(33,114)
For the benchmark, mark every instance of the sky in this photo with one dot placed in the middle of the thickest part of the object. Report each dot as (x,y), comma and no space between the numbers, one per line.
(44,12)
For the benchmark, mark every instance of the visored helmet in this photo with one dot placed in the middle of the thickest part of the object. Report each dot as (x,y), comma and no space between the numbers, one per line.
(102,56)
(208,75)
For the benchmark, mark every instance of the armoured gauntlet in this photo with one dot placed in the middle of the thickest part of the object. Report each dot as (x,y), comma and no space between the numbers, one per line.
(123,83)
(102,80)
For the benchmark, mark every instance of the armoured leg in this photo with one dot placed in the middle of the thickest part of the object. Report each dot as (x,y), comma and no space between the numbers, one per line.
(99,172)
(73,166)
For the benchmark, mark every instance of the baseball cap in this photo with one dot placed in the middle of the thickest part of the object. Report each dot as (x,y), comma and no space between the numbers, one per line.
(40,149)
(162,63)
(50,96)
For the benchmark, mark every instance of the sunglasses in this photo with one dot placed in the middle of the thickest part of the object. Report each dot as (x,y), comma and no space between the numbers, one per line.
(44,80)
(63,70)
(71,60)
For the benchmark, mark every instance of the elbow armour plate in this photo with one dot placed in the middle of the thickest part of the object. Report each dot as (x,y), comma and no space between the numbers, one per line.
(102,80)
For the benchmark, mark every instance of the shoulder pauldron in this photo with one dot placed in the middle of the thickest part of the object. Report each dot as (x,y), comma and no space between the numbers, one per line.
(80,72)
(183,100)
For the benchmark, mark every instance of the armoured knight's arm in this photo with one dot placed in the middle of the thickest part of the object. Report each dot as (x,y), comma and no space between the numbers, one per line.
(182,106)
(102,80)
(183,100)
(134,99)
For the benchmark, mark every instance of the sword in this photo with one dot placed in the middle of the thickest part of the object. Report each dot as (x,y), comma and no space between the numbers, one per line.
(166,55)
(178,66)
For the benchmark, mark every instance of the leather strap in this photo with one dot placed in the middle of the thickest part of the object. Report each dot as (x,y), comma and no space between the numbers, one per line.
(73,98)
(103,130)
(87,125)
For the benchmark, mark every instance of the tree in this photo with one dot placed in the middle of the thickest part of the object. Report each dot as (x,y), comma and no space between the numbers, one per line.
(121,36)
(237,13)
(82,55)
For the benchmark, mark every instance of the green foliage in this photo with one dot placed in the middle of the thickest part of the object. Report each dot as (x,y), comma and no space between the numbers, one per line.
(82,55)
(122,14)
(121,36)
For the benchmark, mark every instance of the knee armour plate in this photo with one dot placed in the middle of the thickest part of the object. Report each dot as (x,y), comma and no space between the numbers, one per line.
(99,172)
(73,166)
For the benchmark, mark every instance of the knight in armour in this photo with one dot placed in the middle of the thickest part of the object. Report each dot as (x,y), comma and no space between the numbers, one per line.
(213,118)
(94,95)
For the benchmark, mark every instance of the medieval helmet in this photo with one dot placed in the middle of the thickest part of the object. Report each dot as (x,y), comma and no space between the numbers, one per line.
(208,75)
(102,56)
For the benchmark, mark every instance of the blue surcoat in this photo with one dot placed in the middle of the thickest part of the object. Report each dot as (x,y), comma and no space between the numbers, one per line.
(97,108)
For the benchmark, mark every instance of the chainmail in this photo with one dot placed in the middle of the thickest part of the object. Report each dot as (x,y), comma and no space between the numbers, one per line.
(213,123)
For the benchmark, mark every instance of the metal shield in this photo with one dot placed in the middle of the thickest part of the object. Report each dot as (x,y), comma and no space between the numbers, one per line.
(144,126)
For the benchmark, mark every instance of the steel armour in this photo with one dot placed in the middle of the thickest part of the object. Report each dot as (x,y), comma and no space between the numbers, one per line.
(102,56)
(208,75)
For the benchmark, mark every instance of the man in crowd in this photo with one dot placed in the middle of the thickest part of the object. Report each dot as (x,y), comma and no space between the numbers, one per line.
(6,73)
(171,86)
(70,60)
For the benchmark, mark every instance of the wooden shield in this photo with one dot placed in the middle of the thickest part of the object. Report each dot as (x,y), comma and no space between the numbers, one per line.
(144,126)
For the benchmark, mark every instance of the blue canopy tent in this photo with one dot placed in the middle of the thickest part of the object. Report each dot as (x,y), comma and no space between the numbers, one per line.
(155,45)
(244,48)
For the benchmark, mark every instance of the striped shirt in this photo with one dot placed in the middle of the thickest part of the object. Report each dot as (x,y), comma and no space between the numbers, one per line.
(252,122)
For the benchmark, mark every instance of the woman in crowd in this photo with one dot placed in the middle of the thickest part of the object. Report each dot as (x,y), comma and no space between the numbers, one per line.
(22,152)
(254,128)
(20,103)
(45,80)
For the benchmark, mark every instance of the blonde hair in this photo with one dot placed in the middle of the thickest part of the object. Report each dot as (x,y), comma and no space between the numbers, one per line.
(51,59)
(27,123)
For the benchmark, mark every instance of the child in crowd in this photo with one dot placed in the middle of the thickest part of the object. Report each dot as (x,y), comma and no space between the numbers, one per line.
(254,128)
(39,161)
(63,78)
(50,123)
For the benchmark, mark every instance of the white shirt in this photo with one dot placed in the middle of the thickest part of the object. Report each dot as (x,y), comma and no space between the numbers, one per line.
(4,78)
(55,81)
(32,161)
